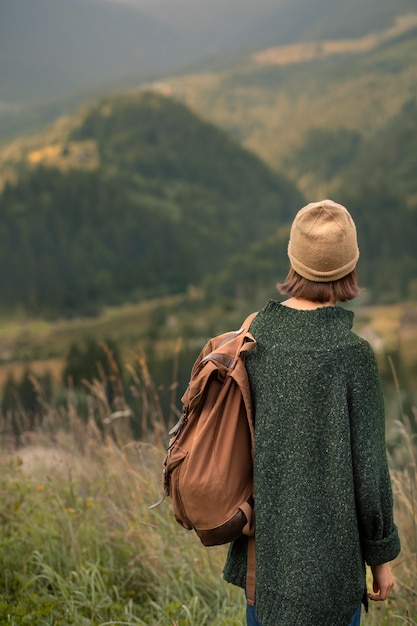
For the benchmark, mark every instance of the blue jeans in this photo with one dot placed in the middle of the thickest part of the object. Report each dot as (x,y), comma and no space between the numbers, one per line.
(252,621)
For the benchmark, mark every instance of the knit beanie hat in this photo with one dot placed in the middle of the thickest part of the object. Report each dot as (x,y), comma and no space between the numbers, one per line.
(323,244)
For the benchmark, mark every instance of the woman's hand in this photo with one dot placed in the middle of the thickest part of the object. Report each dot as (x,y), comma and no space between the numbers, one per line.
(383,582)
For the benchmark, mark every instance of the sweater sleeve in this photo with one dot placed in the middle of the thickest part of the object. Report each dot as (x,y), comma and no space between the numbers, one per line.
(373,491)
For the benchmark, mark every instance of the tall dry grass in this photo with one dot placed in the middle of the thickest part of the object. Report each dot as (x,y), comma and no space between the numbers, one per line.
(80,546)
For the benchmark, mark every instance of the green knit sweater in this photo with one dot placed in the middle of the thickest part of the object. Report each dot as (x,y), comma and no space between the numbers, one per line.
(323,496)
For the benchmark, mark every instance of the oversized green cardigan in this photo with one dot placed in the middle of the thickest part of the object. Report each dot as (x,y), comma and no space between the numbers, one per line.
(323,499)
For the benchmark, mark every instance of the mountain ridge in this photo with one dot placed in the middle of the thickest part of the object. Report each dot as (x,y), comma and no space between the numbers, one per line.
(271,108)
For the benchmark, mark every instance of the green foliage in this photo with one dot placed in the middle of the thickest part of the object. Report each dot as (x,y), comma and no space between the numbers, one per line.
(390,156)
(341,126)
(83,548)
(92,360)
(386,233)
(325,152)
(159,138)
(47,569)
(160,213)
(251,276)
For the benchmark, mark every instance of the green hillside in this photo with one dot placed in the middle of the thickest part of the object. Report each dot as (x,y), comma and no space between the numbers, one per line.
(391,155)
(140,198)
(295,105)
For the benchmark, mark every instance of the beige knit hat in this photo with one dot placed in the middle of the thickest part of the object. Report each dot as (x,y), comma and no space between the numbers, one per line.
(323,244)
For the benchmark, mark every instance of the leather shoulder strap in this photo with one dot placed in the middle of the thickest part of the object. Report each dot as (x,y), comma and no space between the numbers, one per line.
(248,321)
(251,571)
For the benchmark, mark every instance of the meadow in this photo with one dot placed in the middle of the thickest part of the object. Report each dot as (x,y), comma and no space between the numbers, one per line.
(78,542)
(80,546)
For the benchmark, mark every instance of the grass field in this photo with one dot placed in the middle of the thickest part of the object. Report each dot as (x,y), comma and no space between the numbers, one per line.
(80,546)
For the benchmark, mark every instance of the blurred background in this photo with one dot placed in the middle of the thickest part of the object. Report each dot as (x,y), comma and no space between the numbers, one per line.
(152,156)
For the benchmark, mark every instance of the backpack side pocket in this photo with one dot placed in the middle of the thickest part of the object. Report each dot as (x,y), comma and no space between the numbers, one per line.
(175,465)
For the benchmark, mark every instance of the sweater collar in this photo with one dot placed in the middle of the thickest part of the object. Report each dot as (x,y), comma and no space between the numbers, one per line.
(336,313)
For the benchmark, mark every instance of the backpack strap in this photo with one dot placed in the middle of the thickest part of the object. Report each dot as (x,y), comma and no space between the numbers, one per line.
(250,571)
(251,556)
(248,321)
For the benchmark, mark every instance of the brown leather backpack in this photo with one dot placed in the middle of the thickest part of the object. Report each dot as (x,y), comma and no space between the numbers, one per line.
(208,467)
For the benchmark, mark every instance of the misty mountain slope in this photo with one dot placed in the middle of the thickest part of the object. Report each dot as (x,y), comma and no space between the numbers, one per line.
(224,26)
(301,20)
(273,105)
(140,198)
(50,48)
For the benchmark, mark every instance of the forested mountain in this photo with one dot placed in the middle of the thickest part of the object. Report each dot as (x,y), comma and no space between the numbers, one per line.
(389,158)
(165,201)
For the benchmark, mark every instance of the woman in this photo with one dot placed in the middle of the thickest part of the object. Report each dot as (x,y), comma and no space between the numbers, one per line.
(323,499)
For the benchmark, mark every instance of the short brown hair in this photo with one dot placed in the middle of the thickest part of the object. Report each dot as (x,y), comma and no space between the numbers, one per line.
(341,290)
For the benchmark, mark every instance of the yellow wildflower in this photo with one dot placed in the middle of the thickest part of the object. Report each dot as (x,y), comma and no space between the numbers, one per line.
(40,488)
(70,510)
